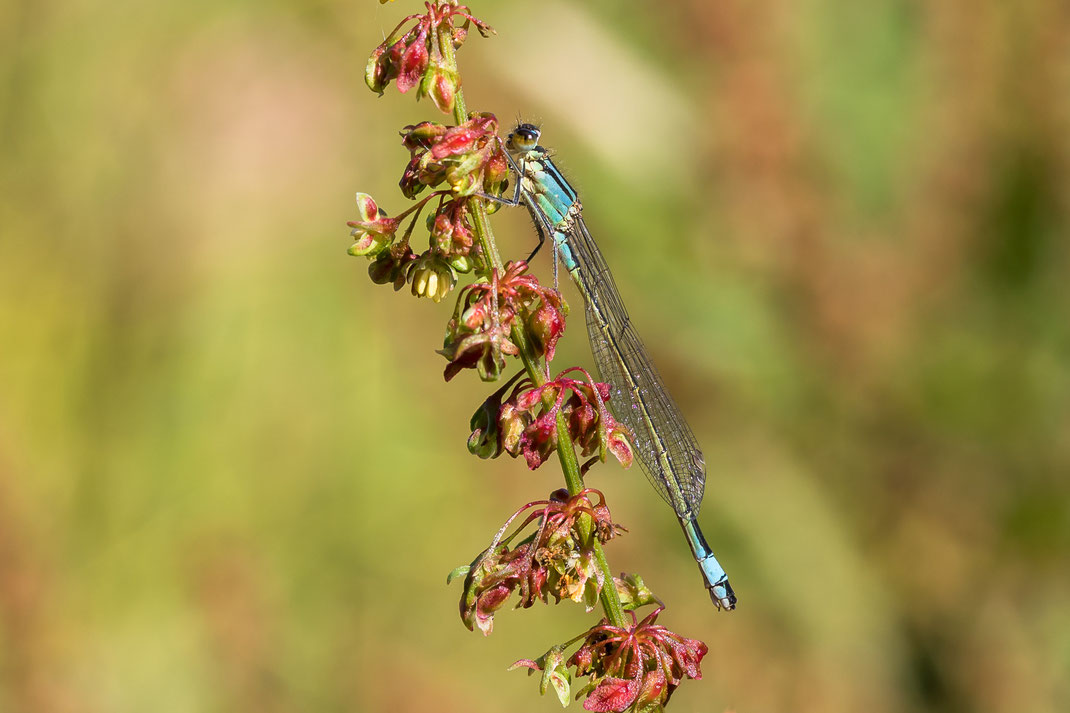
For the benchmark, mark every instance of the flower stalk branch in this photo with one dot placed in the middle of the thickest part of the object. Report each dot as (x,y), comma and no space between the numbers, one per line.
(566,451)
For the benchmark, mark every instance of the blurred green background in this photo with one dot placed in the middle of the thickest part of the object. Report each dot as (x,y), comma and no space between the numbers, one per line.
(232,478)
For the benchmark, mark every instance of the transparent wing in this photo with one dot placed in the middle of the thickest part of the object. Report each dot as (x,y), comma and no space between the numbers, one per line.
(664,443)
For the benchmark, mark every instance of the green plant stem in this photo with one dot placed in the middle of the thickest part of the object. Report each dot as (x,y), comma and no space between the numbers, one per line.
(566,450)
(566,453)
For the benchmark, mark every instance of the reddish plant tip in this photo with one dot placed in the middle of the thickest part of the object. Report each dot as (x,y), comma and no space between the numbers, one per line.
(419,53)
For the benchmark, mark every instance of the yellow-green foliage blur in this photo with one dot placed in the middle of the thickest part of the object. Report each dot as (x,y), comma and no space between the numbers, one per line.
(232,478)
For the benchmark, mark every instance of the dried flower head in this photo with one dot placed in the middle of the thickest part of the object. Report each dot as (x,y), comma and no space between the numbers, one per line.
(557,559)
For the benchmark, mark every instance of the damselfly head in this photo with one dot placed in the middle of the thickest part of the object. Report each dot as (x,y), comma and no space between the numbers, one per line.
(524,137)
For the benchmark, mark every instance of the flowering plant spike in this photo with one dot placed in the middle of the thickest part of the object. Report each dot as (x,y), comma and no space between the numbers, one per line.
(504,319)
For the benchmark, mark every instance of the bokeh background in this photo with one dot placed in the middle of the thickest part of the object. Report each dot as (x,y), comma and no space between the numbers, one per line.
(233,479)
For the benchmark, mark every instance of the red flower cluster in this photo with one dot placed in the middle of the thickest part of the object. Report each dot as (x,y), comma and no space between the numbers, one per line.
(556,560)
(418,57)
(451,233)
(632,668)
(477,336)
(468,157)
(527,420)
(470,160)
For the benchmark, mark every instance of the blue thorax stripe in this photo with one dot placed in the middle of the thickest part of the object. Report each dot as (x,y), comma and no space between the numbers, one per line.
(554,195)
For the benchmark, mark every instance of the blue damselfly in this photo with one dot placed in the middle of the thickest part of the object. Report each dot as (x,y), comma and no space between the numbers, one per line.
(664,444)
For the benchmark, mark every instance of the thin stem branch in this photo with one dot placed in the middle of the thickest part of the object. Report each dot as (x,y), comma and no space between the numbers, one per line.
(566,450)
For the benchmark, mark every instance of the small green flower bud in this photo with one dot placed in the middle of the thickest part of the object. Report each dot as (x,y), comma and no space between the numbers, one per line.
(416,137)
(376,74)
(464,174)
(462,263)
(381,269)
(389,266)
(368,244)
(495,171)
(441,83)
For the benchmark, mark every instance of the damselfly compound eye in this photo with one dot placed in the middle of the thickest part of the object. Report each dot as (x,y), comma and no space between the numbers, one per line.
(524,138)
